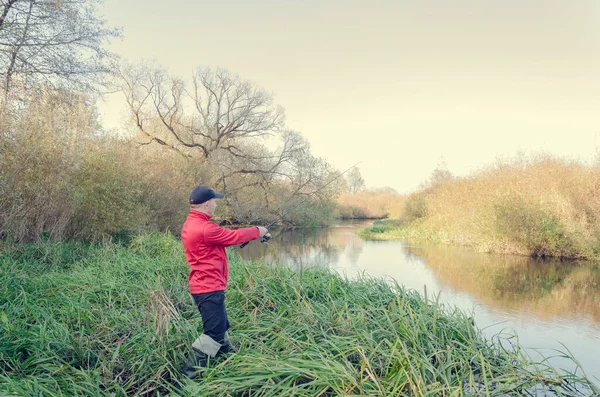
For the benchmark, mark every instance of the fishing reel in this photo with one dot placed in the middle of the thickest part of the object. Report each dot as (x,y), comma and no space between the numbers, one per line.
(265,238)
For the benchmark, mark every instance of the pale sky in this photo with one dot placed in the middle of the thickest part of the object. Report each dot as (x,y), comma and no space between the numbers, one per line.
(399,85)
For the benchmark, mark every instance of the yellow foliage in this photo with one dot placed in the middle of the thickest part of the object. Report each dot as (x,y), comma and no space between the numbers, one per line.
(61,179)
(541,206)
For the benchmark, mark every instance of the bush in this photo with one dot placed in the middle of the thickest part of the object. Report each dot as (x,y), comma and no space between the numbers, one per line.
(415,207)
(540,232)
(59,178)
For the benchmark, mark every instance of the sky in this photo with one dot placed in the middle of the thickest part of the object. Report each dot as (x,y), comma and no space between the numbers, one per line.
(401,86)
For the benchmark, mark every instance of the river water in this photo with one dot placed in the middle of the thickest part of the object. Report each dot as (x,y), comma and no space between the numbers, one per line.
(552,307)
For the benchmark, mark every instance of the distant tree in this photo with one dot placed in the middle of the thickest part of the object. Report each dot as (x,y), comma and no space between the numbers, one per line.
(440,175)
(355,181)
(59,43)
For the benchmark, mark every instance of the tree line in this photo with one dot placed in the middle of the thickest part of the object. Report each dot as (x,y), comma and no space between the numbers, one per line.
(63,176)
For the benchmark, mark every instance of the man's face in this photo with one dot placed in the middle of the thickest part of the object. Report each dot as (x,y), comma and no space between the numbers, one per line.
(211,205)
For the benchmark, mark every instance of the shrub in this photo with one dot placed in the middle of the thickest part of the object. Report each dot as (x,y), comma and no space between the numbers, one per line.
(59,178)
(540,232)
(415,207)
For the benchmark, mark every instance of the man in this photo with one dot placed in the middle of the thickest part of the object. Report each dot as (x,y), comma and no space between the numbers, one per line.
(204,244)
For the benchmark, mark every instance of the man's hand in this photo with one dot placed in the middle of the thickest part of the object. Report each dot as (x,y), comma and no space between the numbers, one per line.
(262,230)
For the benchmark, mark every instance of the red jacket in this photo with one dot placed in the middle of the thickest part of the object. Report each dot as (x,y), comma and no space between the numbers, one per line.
(204,244)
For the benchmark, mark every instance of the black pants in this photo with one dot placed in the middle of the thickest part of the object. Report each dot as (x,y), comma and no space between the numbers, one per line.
(214,316)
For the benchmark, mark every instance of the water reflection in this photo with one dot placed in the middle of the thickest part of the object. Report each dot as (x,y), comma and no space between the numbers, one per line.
(313,247)
(547,288)
(550,305)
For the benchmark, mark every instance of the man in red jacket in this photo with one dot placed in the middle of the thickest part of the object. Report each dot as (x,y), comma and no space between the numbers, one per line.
(204,244)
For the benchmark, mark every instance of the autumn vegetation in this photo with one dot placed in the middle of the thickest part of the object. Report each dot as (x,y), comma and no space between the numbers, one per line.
(541,206)
(63,176)
(371,204)
(93,296)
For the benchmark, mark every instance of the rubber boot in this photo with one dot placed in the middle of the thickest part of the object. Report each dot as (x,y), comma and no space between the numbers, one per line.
(196,359)
(226,348)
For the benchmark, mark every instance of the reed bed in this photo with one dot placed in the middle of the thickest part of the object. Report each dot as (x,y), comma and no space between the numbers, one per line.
(115,318)
(540,206)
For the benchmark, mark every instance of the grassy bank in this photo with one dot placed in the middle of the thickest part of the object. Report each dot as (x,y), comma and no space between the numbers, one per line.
(541,206)
(116,319)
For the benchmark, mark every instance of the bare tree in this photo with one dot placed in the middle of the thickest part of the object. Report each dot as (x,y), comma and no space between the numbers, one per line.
(217,113)
(221,118)
(223,124)
(57,42)
(355,181)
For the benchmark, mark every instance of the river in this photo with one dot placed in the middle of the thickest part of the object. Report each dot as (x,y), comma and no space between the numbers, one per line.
(551,306)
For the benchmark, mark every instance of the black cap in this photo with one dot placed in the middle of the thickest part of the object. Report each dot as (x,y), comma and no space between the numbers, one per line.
(203,193)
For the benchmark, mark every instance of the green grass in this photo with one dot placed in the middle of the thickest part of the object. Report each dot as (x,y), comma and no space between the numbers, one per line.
(394,229)
(382,226)
(116,319)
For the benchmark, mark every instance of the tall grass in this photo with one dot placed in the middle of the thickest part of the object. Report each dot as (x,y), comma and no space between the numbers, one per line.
(115,318)
(540,206)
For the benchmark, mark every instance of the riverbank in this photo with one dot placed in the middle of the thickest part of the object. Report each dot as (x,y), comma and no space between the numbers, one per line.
(116,318)
(540,207)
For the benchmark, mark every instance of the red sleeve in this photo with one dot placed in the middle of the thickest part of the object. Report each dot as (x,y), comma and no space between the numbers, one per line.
(219,235)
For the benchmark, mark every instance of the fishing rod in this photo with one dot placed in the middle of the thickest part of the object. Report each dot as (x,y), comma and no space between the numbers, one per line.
(267,236)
